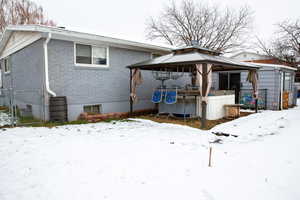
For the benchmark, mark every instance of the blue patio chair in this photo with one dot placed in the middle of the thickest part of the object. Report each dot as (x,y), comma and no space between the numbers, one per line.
(157,96)
(171,96)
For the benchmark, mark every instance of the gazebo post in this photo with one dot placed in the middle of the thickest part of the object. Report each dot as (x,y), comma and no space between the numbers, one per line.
(130,97)
(256,105)
(203,103)
(256,99)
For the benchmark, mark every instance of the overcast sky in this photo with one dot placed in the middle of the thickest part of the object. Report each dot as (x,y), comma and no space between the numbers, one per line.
(126,18)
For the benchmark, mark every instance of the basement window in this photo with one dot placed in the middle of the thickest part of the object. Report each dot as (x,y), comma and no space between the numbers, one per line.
(94,109)
(88,55)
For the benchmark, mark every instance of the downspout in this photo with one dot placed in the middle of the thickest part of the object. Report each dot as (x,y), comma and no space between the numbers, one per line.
(49,91)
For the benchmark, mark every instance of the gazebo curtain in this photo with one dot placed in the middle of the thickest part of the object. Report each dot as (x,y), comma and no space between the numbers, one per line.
(136,80)
(199,76)
(253,79)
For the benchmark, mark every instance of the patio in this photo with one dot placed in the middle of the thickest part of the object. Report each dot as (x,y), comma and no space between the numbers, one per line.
(198,96)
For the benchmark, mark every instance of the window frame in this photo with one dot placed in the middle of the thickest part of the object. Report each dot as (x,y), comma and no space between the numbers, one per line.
(6,65)
(95,66)
(93,105)
(297,77)
(289,83)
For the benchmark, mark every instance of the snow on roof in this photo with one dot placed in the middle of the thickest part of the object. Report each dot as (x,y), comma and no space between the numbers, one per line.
(193,57)
(275,66)
(197,47)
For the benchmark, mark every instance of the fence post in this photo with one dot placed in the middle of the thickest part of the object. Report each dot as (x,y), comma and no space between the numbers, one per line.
(209,156)
(11,107)
(266,96)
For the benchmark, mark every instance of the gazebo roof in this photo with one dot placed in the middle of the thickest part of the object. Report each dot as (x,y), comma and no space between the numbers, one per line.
(187,57)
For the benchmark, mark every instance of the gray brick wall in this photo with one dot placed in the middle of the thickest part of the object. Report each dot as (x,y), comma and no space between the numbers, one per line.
(86,86)
(81,85)
(26,78)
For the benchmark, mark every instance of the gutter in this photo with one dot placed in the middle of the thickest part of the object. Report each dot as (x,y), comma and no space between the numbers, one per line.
(49,91)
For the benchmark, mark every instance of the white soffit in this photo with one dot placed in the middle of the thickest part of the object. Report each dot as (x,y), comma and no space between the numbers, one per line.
(18,40)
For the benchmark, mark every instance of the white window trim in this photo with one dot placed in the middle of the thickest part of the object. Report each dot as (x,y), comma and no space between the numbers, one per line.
(92,65)
(290,85)
(91,105)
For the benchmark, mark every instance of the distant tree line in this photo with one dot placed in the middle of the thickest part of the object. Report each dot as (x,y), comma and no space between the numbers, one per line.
(285,45)
(212,27)
(222,29)
(13,12)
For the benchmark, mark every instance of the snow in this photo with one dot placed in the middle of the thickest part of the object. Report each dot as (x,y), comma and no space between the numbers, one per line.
(148,160)
(4,119)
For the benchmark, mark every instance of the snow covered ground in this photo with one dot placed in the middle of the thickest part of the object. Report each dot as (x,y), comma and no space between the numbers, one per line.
(4,119)
(146,160)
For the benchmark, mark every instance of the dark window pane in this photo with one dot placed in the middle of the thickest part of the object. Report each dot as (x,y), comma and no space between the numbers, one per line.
(92,109)
(99,56)
(223,81)
(297,77)
(83,54)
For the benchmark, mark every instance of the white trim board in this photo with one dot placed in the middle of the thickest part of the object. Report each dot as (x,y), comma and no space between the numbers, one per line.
(19,40)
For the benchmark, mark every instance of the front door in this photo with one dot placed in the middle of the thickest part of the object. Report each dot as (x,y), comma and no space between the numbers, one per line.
(235,84)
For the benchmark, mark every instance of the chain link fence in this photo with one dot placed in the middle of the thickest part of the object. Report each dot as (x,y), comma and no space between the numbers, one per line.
(246,98)
(21,107)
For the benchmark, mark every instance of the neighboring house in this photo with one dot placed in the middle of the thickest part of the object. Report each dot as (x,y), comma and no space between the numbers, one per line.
(258,58)
(250,56)
(89,70)
(297,77)
(274,80)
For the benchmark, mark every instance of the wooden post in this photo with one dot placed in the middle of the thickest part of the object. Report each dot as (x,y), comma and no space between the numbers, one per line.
(256,104)
(203,115)
(203,103)
(209,157)
(130,98)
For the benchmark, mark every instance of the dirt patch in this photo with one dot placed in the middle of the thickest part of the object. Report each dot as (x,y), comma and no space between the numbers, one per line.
(195,123)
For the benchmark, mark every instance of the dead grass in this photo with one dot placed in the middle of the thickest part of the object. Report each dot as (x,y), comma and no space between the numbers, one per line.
(195,123)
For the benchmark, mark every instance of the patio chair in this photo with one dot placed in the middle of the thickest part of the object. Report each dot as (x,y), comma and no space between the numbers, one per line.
(157,96)
(171,96)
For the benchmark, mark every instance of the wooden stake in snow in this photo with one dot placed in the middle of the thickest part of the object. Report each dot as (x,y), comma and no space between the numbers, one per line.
(209,160)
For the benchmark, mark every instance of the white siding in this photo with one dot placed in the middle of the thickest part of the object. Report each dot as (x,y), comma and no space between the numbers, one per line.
(19,40)
(246,56)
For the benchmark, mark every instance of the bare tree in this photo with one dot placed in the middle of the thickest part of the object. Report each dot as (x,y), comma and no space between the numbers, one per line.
(285,46)
(212,27)
(21,12)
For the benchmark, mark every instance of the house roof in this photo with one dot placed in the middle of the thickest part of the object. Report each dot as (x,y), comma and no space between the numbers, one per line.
(68,35)
(190,58)
(198,48)
(262,56)
(274,66)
